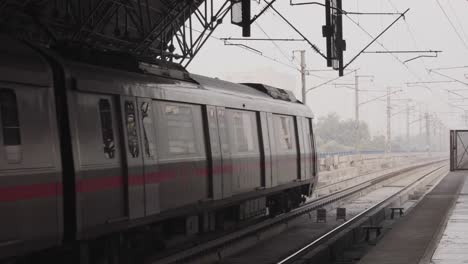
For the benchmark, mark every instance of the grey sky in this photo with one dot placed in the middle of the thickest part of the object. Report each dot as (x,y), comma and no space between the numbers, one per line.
(424,28)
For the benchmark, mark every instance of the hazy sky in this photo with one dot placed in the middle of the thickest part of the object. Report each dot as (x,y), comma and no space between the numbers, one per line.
(425,27)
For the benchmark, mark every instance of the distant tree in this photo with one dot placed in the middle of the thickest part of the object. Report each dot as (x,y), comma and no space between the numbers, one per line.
(335,135)
(333,146)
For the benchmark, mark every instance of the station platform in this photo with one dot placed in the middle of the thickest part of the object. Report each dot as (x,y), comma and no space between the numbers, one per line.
(434,231)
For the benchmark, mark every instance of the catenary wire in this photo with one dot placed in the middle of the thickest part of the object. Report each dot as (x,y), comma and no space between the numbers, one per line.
(452,25)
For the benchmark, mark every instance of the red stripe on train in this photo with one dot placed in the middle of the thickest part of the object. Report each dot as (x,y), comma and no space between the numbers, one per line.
(35,191)
(89,185)
(27,192)
(99,184)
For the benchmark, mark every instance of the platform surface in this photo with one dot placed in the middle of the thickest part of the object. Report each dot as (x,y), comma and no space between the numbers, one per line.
(453,246)
(415,236)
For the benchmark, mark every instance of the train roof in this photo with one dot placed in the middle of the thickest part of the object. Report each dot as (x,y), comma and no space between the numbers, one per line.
(20,60)
(251,89)
(186,88)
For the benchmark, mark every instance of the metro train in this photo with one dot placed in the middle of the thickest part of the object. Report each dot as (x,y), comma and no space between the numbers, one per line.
(100,156)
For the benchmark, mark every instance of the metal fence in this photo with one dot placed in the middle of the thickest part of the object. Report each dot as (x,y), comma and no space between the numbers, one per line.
(362,152)
(458,150)
(348,153)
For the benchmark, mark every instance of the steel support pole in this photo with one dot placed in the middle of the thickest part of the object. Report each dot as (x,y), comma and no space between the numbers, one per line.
(356,111)
(356,98)
(441,140)
(303,76)
(407,127)
(389,121)
(420,122)
(428,134)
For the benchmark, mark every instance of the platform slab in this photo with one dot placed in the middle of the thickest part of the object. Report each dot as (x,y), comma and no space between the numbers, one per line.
(453,246)
(413,237)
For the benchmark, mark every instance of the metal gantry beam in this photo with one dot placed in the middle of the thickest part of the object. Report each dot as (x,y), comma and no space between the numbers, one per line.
(151,30)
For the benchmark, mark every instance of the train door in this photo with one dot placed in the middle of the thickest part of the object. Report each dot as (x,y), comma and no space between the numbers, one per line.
(303,149)
(273,149)
(226,160)
(266,151)
(216,176)
(100,182)
(285,138)
(314,156)
(307,149)
(150,168)
(133,165)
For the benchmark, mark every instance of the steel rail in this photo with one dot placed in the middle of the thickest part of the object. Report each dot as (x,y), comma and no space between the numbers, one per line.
(326,237)
(213,245)
(354,178)
(366,174)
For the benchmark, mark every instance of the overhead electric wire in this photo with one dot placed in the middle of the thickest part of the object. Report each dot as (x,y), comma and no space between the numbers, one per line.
(258,54)
(452,25)
(274,43)
(448,68)
(313,46)
(329,81)
(281,50)
(410,31)
(357,6)
(449,77)
(344,11)
(383,46)
(457,19)
(376,38)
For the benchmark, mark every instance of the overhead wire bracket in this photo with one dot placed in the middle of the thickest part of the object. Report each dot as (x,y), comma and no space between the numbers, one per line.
(344,11)
(314,47)
(262,39)
(376,38)
(226,43)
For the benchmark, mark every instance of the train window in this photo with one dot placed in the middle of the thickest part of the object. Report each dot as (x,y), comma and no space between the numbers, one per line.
(10,121)
(107,128)
(10,125)
(181,129)
(285,132)
(223,131)
(243,127)
(147,122)
(132,134)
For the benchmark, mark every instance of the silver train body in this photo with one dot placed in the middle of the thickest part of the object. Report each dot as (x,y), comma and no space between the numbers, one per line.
(88,152)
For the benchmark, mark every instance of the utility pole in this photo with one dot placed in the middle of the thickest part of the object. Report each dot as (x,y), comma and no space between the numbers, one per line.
(441,140)
(428,134)
(356,111)
(303,75)
(389,122)
(434,132)
(356,97)
(356,108)
(465,118)
(407,126)
(420,122)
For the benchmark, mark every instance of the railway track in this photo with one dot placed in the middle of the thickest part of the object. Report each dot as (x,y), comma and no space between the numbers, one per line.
(321,190)
(211,251)
(298,256)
